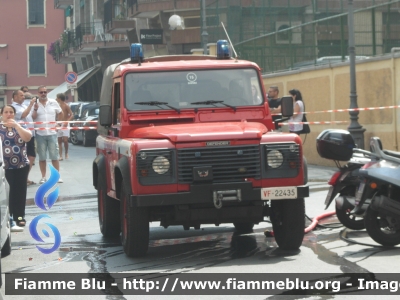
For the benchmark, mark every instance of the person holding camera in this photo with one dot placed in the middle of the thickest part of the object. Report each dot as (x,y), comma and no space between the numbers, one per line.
(46,110)
(23,114)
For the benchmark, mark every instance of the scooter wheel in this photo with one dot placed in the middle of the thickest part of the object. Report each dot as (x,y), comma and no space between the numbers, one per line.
(348,220)
(380,229)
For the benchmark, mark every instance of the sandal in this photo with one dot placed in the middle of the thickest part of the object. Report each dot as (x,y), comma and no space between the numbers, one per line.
(60,159)
(30,182)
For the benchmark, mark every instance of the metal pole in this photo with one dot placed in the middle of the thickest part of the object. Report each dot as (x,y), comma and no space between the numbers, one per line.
(204,34)
(355,128)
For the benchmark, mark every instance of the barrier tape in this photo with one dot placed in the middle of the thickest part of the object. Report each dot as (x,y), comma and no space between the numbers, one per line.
(58,128)
(348,109)
(58,122)
(314,123)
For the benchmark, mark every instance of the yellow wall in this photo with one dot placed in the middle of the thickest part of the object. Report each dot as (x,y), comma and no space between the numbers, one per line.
(327,88)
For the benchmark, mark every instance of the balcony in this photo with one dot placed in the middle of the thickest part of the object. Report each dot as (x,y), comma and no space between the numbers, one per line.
(115,17)
(187,36)
(120,26)
(63,4)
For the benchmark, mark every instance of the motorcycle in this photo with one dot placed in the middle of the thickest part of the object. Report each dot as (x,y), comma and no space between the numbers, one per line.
(344,182)
(380,182)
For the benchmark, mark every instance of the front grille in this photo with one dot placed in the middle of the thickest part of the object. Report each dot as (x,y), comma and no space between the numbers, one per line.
(229,164)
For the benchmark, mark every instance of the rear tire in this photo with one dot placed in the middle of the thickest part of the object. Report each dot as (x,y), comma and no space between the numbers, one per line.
(349,220)
(6,250)
(378,228)
(134,226)
(109,218)
(288,223)
(243,226)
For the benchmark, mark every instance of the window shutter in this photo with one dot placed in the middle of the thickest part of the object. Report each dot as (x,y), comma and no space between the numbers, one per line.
(36,60)
(36,12)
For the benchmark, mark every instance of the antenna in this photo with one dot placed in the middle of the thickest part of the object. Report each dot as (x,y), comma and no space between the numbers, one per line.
(229,39)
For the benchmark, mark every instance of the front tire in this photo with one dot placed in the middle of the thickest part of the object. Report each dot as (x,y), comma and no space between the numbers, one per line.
(109,218)
(288,223)
(378,228)
(243,226)
(134,226)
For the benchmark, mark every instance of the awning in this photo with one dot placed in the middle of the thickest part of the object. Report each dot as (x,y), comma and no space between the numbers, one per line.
(82,78)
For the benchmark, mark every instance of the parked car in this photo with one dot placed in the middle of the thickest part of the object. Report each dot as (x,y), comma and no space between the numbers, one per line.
(86,137)
(75,106)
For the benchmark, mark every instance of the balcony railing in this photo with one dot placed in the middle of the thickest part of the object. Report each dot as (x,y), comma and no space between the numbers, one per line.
(116,16)
(63,4)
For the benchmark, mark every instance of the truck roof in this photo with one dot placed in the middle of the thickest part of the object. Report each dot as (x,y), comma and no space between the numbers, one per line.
(182,62)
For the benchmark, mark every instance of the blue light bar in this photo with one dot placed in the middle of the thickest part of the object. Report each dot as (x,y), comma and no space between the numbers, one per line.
(136,52)
(223,50)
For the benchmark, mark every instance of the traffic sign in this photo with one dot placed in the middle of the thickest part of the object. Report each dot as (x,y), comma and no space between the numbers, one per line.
(71,86)
(71,77)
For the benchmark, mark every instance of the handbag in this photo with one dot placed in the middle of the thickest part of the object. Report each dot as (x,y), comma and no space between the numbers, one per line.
(306,128)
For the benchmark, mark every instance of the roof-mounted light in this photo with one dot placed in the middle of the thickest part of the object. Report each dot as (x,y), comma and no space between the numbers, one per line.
(136,52)
(223,50)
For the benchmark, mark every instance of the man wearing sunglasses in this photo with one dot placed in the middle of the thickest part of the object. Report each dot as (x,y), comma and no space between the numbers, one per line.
(46,110)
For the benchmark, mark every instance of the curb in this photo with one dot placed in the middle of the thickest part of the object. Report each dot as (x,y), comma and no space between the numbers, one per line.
(31,201)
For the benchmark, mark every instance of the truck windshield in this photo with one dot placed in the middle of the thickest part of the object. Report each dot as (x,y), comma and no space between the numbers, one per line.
(188,89)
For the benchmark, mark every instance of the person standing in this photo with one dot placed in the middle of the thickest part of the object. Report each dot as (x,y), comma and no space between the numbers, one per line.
(274,102)
(24,88)
(24,114)
(46,110)
(16,163)
(63,134)
(298,109)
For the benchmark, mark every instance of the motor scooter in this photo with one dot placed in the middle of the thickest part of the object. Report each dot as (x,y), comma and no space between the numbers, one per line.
(344,182)
(380,182)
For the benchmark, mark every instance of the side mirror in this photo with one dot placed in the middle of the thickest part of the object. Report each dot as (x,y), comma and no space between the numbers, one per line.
(287,106)
(105,115)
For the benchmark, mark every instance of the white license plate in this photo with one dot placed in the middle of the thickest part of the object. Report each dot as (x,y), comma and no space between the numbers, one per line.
(328,197)
(276,193)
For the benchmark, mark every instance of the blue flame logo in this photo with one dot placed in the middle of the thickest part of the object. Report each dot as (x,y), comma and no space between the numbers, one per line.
(40,202)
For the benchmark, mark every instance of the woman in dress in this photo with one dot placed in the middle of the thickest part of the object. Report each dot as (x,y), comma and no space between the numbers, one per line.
(16,163)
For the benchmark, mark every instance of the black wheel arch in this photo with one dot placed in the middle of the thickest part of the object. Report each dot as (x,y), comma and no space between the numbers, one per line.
(98,167)
(122,171)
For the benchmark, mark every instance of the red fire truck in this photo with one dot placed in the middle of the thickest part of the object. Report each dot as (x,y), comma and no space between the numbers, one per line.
(183,140)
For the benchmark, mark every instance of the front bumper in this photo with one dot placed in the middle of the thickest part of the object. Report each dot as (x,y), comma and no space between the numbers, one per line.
(205,194)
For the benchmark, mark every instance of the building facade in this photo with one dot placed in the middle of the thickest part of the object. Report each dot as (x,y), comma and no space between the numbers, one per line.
(26,29)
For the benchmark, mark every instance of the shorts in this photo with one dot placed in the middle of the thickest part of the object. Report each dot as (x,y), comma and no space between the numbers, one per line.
(30,147)
(63,132)
(47,142)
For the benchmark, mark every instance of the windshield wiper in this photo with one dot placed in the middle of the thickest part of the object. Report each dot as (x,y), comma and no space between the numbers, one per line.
(211,102)
(156,103)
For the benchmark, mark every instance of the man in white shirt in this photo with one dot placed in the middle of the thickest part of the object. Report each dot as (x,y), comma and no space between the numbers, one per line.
(23,113)
(46,110)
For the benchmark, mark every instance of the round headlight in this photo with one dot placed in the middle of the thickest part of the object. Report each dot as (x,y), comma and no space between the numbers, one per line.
(160,165)
(274,159)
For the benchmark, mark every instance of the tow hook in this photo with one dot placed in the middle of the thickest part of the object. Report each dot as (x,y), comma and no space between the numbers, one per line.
(229,195)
